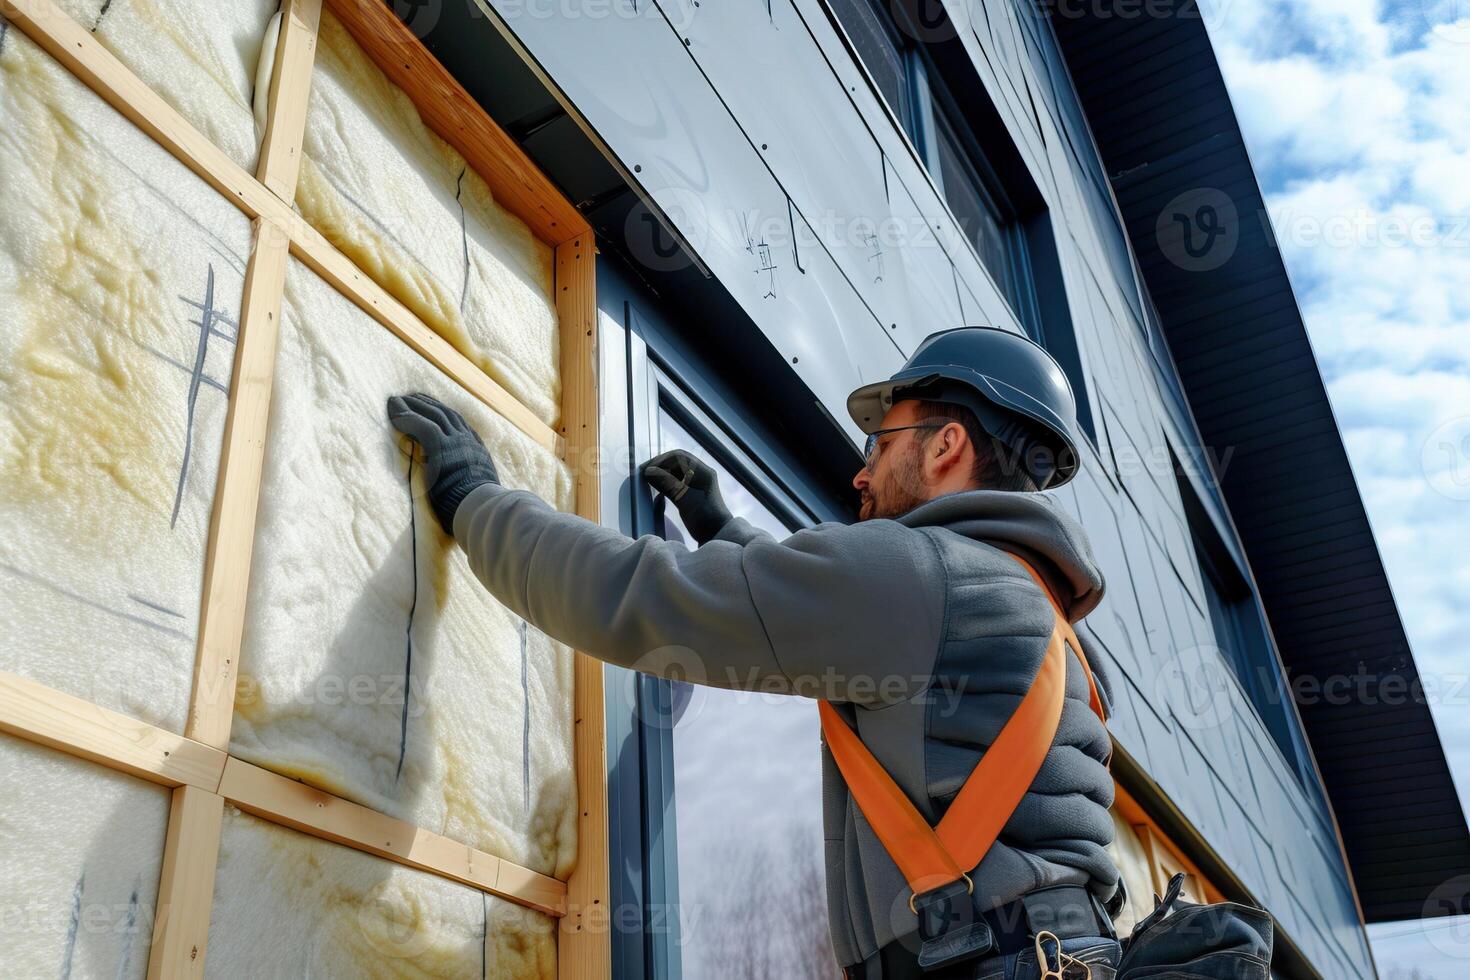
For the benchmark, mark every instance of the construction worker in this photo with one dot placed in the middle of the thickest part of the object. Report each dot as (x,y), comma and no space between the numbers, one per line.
(924,629)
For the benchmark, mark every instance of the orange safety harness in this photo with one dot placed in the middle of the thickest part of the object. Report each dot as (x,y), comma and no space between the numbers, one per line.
(932,857)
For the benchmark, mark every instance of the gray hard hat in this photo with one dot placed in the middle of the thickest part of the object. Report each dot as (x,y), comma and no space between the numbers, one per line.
(1015,388)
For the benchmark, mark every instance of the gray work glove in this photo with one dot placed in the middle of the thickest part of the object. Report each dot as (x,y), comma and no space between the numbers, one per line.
(455,459)
(693,486)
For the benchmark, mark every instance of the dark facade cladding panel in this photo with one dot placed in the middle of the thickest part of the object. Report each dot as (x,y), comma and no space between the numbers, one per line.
(1140,142)
(1258,377)
(1268,458)
(1242,353)
(1235,342)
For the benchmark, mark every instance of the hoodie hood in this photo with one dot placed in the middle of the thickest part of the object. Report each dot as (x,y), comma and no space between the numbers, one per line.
(1032,525)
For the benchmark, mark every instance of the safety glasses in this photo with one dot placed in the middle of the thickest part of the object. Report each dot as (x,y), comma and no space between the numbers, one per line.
(870,450)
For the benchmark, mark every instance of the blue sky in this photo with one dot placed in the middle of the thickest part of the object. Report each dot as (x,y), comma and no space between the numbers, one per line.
(1357,117)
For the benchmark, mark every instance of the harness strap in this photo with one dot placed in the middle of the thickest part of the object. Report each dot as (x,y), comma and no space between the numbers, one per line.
(930,857)
(1070,635)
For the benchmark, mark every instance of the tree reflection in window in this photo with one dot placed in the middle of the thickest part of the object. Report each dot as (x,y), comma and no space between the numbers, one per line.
(748,807)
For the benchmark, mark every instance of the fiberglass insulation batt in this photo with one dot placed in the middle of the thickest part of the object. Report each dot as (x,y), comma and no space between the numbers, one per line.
(120,281)
(288,905)
(374,665)
(402,203)
(201,56)
(80,897)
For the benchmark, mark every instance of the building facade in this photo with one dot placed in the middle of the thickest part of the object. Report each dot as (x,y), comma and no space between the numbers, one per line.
(789,196)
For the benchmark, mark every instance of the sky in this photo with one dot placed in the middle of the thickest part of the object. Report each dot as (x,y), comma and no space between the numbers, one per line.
(1357,117)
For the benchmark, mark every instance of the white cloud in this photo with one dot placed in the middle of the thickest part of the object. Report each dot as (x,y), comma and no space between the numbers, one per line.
(1296,108)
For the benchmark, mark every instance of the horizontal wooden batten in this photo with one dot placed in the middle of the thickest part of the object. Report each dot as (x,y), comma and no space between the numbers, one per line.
(37,713)
(344,276)
(46,716)
(84,56)
(289,803)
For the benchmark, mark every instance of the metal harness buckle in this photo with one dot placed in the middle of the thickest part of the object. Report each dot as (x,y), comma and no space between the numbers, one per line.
(951,929)
(969,890)
(1065,961)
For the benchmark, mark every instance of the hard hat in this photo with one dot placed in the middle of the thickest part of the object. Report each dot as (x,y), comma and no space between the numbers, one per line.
(1014,387)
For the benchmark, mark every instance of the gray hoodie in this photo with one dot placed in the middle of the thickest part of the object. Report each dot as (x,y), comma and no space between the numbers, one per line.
(922,629)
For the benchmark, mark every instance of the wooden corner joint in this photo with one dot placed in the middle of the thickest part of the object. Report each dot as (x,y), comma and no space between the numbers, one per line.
(89,731)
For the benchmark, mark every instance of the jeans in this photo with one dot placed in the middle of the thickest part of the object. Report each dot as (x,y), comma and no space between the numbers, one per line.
(1100,953)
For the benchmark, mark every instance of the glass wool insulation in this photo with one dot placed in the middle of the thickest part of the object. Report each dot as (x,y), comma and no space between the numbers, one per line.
(378,184)
(120,282)
(199,55)
(375,666)
(80,852)
(288,905)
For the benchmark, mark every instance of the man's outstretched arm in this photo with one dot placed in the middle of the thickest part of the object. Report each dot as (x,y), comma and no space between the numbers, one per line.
(833,612)
(648,603)
(830,612)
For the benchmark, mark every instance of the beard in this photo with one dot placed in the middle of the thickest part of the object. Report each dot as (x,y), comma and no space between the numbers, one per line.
(900,492)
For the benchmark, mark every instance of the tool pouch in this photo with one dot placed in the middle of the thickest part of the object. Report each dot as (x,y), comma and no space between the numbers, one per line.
(1225,941)
(951,929)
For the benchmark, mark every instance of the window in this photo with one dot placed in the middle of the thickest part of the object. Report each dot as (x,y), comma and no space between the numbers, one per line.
(1231,615)
(715,803)
(989,225)
(1243,639)
(882,51)
(747,804)
(911,87)
(976,168)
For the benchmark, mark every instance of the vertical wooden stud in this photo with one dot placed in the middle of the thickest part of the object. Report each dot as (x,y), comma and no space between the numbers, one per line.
(285,126)
(584,950)
(191,848)
(186,886)
(232,528)
(242,456)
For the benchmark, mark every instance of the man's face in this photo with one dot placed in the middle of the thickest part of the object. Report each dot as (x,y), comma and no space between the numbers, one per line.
(892,483)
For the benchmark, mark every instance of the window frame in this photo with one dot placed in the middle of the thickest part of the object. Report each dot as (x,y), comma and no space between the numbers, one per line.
(930,104)
(1017,281)
(1033,287)
(645,370)
(1248,648)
